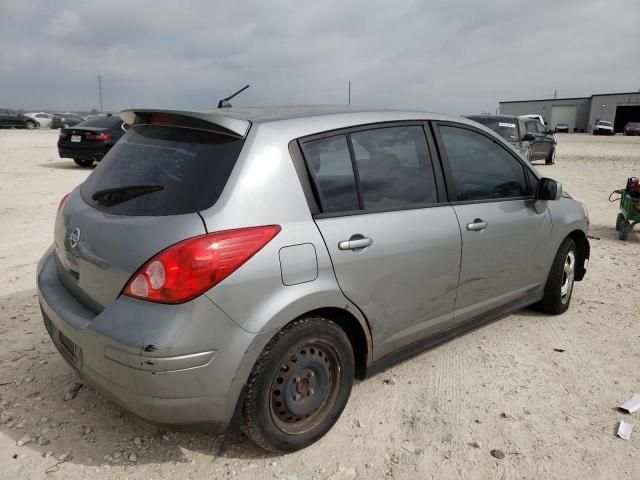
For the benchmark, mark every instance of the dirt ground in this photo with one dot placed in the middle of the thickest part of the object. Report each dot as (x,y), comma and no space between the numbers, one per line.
(439,415)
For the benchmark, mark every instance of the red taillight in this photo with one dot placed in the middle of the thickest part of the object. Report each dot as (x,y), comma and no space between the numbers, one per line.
(62,136)
(102,137)
(62,201)
(191,267)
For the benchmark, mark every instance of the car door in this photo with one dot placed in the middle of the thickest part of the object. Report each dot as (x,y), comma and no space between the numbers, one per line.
(3,117)
(547,140)
(393,240)
(537,145)
(503,237)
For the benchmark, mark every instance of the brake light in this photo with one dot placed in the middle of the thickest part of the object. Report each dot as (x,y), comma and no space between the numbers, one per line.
(191,267)
(100,136)
(62,136)
(63,201)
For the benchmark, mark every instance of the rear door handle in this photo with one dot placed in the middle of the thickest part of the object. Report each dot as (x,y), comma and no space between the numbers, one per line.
(355,243)
(477,225)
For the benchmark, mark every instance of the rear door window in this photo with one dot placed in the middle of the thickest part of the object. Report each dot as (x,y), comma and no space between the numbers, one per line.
(394,167)
(162,170)
(330,162)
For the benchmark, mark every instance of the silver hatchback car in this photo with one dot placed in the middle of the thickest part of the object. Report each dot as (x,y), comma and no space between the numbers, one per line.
(250,263)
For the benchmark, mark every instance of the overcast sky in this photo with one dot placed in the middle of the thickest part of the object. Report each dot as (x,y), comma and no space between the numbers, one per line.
(446,56)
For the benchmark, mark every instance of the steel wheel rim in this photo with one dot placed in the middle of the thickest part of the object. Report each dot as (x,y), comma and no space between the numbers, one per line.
(568,275)
(305,387)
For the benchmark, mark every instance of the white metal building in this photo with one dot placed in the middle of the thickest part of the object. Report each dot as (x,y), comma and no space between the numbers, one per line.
(580,113)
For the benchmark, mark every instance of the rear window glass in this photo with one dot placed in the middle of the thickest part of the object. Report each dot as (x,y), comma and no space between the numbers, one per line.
(160,170)
(331,163)
(104,122)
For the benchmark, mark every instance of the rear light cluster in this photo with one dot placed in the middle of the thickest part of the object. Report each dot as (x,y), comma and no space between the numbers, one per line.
(62,136)
(191,267)
(102,137)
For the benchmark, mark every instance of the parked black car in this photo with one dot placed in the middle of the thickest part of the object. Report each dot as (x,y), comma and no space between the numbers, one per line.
(10,118)
(65,120)
(527,135)
(90,140)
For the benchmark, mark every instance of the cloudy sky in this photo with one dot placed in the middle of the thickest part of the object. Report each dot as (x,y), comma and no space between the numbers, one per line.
(441,55)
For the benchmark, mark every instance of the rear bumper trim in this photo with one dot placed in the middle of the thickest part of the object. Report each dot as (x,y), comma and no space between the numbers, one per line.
(159,364)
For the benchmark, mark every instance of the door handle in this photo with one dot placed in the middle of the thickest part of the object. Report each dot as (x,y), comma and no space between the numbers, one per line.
(477,225)
(355,243)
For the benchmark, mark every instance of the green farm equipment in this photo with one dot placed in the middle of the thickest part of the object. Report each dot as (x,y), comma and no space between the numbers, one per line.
(629,215)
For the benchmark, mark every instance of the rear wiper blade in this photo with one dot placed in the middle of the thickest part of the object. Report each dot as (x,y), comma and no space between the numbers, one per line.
(113,196)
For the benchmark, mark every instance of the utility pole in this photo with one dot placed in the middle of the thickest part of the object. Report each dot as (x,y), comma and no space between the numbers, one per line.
(349,92)
(100,91)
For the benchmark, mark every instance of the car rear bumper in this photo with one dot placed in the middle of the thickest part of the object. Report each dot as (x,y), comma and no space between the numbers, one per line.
(84,152)
(170,364)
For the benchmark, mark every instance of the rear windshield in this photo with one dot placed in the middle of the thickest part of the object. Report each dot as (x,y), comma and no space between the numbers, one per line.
(104,122)
(171,171)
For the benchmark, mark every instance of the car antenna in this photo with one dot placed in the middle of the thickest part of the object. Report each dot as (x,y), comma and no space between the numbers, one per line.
(224,103)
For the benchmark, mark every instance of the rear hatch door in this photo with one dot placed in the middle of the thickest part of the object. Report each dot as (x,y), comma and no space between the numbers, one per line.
(142,198)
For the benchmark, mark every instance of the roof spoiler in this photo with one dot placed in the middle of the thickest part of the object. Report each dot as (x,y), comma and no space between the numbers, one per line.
(213,122)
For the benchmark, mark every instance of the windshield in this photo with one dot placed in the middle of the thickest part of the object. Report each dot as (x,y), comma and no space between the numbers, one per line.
(162,170)
(606,124)
(505,129)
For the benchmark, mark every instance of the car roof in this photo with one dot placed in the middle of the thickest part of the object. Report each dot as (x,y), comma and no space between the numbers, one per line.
(236,121)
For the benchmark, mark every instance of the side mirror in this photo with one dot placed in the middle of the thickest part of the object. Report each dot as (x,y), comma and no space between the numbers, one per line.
(528,137)
(549,189)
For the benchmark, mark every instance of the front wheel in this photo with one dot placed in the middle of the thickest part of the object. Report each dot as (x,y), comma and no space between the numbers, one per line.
(559,287)
(82,162)
(299,385)
(31,125)
(551,158)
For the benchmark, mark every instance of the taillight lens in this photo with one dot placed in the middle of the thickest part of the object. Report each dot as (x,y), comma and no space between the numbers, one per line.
(100,136)
(191,267)
(62,136)
(62,201)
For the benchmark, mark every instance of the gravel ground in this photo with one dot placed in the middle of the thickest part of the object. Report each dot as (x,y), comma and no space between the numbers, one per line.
(528,396)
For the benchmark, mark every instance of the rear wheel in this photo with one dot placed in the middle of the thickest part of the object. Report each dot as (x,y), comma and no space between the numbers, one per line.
(551,158)
(625,229)
(299,385)
(31,125)
(619,220)
(559,287)
(83,162)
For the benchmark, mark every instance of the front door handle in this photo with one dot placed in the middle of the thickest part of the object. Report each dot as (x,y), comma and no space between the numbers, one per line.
(477,225)
(357,242)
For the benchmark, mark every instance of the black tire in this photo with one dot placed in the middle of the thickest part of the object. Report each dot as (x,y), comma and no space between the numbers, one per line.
(555,301)
(625,229)
(82,162)
(30,125)
(551,158)
(619,220)
(299,385)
